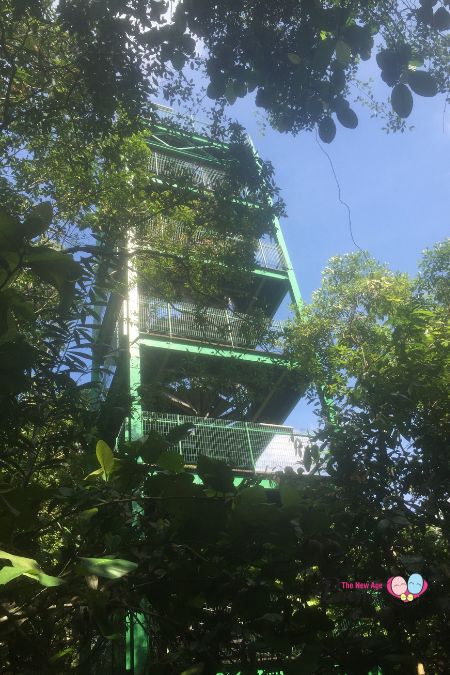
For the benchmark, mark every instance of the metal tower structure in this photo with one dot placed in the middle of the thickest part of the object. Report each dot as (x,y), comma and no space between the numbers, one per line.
(143,340)
(172,351)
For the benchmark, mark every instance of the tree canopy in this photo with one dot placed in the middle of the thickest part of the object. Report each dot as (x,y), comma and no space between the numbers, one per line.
(83,61)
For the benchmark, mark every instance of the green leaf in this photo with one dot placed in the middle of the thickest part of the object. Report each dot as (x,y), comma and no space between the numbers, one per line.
(343,53)
(347,117)
(25,564)
(87,514)
(338,78)
(151,446)
(13,303)
(383,525)
(97,472)
(7,574)
(422,83)
(294,58)
(38,220)
(10,233)
(315,453)
(29,568)
(240,89)
(179,432)
(105,456)
(53,267)
(171,461)
(323,54)
(15,358)
(61,654)
(108,568)
(402,100)
(9,267)
(45,579)
(215,474)
(49,581)
(401,520)
(327,130)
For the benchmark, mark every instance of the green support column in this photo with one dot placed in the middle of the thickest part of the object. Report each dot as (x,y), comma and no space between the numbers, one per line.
(132,331)
(136,633)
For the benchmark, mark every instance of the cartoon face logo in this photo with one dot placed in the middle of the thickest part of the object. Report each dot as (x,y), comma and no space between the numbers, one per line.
(415,583)
(407,592)
(398,586)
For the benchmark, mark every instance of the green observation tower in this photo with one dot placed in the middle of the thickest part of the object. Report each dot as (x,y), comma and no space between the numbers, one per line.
(187,332)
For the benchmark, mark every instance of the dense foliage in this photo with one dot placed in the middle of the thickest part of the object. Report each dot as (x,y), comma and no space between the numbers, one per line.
(227,578)
(223,578)
(80,62)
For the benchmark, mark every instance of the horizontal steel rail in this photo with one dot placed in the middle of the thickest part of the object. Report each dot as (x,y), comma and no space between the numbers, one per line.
(210,325)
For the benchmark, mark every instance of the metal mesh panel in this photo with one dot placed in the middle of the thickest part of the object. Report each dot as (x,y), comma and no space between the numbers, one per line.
(269,255)
(245,446)
(221,326)
(166,165)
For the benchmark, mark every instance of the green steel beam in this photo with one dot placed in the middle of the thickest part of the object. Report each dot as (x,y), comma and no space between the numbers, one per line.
(295,290)
(220,351)
(280,275)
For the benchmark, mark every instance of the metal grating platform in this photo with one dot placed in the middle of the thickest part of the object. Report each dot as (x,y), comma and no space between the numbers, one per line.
(245,446)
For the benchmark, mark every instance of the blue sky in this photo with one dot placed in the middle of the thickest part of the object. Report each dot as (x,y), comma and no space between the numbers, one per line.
(397,187)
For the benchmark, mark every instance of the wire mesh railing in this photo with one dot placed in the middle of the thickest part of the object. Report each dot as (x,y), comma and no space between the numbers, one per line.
(210,325)
(173,167)
(160,232)
(245,446)
(269,255)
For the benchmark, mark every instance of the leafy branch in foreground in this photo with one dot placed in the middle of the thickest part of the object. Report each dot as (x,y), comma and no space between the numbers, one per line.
(70,64)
